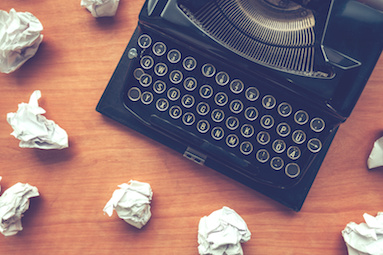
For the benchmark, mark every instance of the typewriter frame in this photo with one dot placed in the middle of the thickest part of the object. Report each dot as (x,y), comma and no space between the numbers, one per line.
(151,20)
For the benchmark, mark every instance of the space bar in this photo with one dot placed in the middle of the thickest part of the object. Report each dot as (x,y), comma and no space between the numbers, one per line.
(216,152)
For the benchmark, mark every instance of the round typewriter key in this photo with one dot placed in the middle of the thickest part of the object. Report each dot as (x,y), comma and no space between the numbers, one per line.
(137,73)
(174,56)
(247,130)
(222,78)
(232,140)
(279,146)
(147,62)
(203,126)
(189,63)
(174,94)
(188,118)
(203,108)
(263,138)
(187,101)
(160,69)
(206,91)
(236,86)
(269,102)
(176,76)
(293,152)
(317,125)
(208,70)
(292,170)
(232,123)
(277,163)
(283,129)
(147,97)
(252,94)
(159,48)
(262,155)
(301,117)
(267,121)
(175,112)
(134,94)
(162,104)
(159,87)
(217,133)
(144,41)
(145,80)
(246,148)
(217,115)
(251,113)
(299,136)
(284,109)
(190,83)
(132,53)
(221,99)
(314,145)
(236,106)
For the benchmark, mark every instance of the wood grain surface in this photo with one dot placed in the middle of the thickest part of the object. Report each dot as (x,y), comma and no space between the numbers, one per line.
(72,68)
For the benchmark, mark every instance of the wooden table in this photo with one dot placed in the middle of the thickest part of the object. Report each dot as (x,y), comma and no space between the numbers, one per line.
(72,67)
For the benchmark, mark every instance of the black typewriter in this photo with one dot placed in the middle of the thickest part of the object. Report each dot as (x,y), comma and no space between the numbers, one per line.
(255,89)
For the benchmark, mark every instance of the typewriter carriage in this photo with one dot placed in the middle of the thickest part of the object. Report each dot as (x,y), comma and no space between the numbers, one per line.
(331,66)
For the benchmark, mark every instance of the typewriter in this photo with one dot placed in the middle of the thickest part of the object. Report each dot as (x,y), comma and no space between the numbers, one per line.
(255,89)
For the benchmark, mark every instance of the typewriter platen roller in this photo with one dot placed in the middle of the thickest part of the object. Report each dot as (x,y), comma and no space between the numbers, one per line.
(255,89)
(277,34)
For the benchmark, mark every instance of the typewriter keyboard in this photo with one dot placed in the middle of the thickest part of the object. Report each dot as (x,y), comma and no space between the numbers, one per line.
(236,113)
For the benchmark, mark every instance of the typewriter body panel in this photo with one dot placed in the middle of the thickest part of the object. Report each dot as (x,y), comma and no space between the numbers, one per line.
(251,88)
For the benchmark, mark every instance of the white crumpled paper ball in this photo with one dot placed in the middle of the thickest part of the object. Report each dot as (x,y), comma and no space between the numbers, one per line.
(13,203)
(33,129)
(376,156)
(132,203)
(222,232)
(19,39)
(101,8)
(365,238)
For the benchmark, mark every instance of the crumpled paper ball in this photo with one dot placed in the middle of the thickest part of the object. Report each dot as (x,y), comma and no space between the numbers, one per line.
(33,129)
(101,8)
(222,232)
(376,156)
(19,39)
(13,203)
(132,203)
(365,238)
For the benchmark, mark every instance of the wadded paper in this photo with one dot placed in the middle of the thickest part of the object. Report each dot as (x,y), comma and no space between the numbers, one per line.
(33,129)
(101,8)
(376,157)
(365,238)
(13,203)
(19,39)
(132,203)
(222,232)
